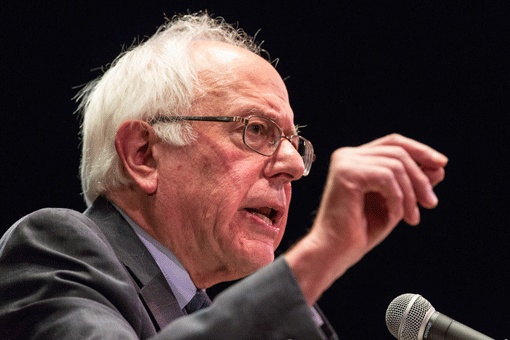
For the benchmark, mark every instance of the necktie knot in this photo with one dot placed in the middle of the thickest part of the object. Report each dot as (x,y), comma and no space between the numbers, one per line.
(199,301)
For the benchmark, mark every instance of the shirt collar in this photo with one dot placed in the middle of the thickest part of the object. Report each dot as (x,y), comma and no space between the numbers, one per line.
(175,274)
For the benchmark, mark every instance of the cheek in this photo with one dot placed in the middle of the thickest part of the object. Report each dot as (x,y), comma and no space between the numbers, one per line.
(222,197)
(228,174)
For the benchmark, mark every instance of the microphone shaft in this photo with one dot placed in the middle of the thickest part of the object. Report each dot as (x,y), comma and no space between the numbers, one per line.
(442,327)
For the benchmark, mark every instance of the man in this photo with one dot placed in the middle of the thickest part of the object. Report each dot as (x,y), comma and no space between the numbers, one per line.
(189,152)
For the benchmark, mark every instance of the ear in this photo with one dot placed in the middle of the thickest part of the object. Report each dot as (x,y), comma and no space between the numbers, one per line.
(135,142)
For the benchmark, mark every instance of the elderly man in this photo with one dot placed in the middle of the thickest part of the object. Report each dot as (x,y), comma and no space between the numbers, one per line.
(189,152)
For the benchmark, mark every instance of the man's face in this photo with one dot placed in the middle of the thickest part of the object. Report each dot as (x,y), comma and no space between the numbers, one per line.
(223,206)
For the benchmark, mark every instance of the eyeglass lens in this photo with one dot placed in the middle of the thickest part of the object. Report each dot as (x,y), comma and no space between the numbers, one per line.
(264,136)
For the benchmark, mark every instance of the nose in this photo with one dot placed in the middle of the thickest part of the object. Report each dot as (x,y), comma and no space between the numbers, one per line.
(286,161)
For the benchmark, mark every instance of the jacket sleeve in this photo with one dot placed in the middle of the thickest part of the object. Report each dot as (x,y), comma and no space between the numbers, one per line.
(267,305)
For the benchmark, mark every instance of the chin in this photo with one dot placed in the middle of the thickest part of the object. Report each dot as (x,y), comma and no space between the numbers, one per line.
(255,260)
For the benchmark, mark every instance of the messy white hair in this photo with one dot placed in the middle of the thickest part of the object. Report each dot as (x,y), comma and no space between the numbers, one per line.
(156,77)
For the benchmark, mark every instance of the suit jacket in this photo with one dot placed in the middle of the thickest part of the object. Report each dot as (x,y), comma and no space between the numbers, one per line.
(67,275)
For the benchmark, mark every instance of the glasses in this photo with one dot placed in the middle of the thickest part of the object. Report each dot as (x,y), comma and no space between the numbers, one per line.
(260,134)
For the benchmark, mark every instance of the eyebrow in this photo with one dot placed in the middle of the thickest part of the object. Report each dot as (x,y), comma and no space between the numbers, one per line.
(253,110)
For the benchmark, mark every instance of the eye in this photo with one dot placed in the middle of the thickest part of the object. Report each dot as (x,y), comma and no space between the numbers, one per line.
(256,128)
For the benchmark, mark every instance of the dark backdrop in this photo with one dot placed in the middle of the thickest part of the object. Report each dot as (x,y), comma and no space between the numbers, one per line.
(436,71)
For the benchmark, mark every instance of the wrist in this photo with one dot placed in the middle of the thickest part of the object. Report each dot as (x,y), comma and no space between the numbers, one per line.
(316,266)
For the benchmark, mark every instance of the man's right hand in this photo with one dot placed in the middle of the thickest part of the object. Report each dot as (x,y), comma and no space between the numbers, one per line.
(369,190)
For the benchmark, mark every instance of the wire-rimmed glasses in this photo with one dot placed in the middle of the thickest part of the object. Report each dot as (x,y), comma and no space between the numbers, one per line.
(260,134)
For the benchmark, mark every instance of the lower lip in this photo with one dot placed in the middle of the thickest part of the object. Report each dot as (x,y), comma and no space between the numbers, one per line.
(269,228)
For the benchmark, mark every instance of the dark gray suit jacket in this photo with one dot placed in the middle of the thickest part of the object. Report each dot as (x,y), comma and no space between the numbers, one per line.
(67,275)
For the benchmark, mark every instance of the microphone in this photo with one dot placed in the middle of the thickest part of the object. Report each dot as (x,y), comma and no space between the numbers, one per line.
(412,317)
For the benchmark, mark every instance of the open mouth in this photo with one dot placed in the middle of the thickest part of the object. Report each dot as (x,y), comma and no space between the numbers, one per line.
(267,214)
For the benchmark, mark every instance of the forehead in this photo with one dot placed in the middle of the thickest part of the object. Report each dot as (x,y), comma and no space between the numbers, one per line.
(242,83)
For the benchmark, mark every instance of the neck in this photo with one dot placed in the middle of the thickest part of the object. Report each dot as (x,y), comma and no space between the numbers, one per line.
(172,233)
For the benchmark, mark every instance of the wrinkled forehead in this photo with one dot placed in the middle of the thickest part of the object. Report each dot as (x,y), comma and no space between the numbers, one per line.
(242,78)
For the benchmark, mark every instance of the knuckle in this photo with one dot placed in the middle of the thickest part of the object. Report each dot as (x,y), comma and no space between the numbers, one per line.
(341,153)
(388,180)
(398,198)
(399,152)
(397,167)
(394,137)
(341,159)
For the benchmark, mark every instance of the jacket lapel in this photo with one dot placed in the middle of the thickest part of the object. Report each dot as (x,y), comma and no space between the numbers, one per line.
(153,287)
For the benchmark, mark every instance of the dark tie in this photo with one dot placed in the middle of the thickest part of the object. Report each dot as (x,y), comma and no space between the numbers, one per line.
(199,301)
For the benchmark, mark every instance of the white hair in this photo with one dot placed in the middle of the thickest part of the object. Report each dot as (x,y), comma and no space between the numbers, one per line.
(154,78)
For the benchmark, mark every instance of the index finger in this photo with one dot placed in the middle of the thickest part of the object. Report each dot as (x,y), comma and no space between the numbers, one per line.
(421,153)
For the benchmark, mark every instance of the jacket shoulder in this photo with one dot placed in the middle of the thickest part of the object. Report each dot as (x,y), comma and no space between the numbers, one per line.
(58,259)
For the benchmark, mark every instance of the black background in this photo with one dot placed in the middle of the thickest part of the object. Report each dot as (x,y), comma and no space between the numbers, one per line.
(436,71)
